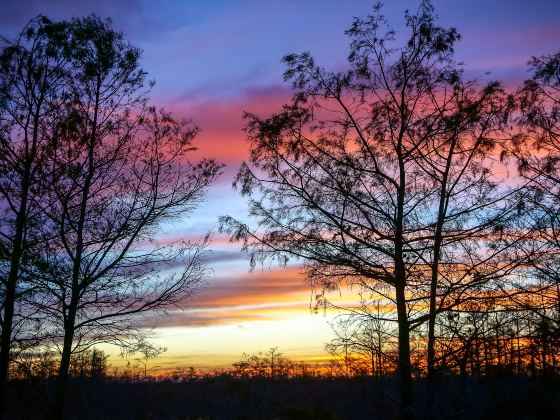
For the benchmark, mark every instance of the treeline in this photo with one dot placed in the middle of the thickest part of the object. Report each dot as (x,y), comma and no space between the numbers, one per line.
(433,198)
(481,342)
(269,385)
(273,364)
(299,398)
(89,172)
(43,366)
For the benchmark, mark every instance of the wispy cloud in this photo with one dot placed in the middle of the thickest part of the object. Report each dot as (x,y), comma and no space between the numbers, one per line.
(243,297)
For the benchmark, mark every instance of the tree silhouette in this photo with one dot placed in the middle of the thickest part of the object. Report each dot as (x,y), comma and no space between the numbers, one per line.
(148,352)
(379,176)
(113,170)
(32,82)
(368,336)
(537,149)
(89,363)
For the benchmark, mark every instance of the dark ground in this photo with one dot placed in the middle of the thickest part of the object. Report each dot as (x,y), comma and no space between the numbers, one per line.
(223,397)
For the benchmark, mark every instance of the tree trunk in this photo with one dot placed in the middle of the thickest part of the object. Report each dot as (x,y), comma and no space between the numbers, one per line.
(405,372)
(11,284)
(7,324)
(431,385)
(69,323)
(62,377)
(17,252)
(432,312)
(438,239)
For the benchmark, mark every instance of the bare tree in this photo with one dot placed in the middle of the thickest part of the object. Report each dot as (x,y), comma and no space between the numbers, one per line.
(89,363)
(148,351)
(466,248)
(32,81)
(368,335)
(271,364)
(368,174)
(115,170)
(537,149)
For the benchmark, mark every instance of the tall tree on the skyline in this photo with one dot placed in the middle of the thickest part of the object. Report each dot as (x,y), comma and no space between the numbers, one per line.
(468,245)
(118,170)
(112,170)
(32,84)
(380,176)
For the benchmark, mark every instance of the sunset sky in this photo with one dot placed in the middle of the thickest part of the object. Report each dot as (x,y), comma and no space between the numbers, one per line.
(214,59)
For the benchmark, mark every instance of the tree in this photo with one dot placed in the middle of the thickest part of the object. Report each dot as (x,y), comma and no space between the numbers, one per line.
(369,173)
(148,351)
(467,247)
(113,170)
(367,335)
(271,364)
(32,76)
(537,150)
(89,363)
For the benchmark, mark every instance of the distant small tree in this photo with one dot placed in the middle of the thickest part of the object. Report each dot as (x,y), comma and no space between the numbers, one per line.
(275,361)
(241,368)
(365,336)
(148,352)
(182,374)
(89,363)
(342,346)
(269,364)
(38,365)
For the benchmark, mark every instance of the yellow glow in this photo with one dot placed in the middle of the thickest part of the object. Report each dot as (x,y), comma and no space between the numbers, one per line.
(299,335)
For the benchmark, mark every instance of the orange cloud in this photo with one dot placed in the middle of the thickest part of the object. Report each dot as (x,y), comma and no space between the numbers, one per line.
(207,317)
(244,297)
(255,288)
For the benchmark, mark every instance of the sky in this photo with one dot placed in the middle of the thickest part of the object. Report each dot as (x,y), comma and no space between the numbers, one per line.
(214,59)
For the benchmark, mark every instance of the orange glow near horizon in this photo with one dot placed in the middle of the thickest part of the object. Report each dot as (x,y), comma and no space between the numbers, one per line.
(245,313)
(214,60)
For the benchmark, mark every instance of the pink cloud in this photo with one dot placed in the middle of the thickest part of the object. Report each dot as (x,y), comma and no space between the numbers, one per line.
(222,123)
